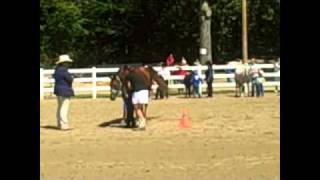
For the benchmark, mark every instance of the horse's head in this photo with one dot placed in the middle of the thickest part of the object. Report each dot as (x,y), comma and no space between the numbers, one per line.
(115,87)
(117,84)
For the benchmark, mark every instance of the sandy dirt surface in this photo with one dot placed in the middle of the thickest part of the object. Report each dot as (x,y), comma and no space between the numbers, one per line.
(230,138)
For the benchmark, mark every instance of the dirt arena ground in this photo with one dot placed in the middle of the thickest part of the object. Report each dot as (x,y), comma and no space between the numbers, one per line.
(229,139)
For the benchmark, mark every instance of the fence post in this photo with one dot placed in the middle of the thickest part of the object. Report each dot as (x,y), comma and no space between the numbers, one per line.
(94,83)
(41,84)
(200,75)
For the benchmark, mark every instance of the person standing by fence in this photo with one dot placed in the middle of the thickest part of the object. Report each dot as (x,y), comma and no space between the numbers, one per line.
(63,90)
(196,84)
(254,71)
(181,72)
(209,78)
(260,81)
(170,60)
(277,70)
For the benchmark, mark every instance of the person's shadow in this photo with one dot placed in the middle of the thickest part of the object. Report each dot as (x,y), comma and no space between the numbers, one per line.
(50,127)
(112,123)
(117,122)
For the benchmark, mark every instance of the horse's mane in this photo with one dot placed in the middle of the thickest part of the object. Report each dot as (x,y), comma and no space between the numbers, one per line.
(152,71)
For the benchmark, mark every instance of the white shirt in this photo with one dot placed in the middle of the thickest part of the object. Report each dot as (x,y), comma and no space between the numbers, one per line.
(254,70)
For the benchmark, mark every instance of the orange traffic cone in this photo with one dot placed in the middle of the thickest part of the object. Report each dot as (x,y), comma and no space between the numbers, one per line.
(184,121)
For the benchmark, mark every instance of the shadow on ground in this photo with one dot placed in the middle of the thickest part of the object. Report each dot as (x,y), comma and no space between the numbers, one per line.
(112,123)
(117,122)
(50,127)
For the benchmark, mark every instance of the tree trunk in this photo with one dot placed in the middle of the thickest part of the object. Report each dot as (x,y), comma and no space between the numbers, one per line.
(205,32)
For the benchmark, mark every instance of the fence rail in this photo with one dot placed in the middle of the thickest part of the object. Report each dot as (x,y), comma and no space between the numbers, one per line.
(91,76)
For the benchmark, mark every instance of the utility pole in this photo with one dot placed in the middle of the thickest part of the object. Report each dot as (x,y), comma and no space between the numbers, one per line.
(244,32)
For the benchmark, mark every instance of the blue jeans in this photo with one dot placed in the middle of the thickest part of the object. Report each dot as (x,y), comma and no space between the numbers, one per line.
(255,89)
(260,90)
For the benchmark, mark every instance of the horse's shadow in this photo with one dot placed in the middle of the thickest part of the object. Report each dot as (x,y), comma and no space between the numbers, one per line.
(116,123)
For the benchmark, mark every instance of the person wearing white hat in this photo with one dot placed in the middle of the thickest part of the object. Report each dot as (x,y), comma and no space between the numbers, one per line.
(183,61)
(63,90)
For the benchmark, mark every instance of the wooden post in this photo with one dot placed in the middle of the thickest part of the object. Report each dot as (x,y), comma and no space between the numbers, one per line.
(244,32)
(94,83)
(41,84)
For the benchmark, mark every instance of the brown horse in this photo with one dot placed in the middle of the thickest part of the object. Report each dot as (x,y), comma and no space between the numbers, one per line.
(119,83)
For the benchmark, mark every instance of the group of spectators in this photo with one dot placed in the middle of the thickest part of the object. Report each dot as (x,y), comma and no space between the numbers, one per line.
(194,79)
(191,79)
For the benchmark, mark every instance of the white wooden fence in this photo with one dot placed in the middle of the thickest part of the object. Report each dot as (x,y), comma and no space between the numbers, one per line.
(46,80)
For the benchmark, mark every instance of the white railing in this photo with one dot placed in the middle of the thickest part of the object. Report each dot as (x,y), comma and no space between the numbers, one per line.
(46,80)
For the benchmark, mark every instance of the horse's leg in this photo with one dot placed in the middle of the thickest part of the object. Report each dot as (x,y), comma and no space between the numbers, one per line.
(125,110)
(157,93)
(144,110)
(245,90)
(236,90)
(248,89)
(167,92)
(161,93)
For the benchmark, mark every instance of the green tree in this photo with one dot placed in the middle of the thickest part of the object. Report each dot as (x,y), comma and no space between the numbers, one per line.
(117,31)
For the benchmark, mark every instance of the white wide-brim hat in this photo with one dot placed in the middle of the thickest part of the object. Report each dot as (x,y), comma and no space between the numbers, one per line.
(64,58)
(184,62)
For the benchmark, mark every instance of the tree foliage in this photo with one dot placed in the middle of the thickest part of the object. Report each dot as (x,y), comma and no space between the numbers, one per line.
(116,31)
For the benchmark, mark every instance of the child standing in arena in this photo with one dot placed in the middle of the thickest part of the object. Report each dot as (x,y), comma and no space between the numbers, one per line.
(196,82)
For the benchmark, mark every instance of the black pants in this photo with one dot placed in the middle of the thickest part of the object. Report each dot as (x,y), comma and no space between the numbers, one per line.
(130,111)
(209,88)
(188,90)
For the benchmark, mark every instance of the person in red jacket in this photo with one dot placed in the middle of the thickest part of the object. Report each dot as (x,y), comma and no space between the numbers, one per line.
(170,60)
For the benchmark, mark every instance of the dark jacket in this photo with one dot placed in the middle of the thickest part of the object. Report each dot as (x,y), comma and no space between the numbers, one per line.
(209,74)
(63,82)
